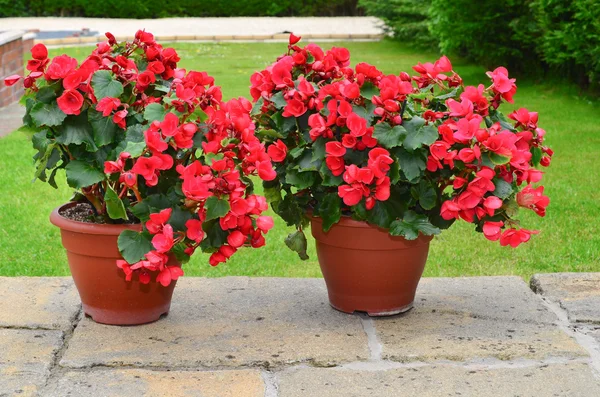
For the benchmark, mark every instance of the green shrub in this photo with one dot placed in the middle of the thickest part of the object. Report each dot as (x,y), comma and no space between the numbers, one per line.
(172,8)
(571,37)
(406,20)
(490,32)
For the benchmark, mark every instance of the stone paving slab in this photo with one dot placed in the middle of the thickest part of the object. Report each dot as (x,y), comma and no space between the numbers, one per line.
(577,293)
(572,380)
(135,382)
(426,335)
(26,357)
(229,322)
(465,319)
(500,298)
(38,302)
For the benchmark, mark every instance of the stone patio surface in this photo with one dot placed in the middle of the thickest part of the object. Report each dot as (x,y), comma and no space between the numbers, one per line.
(240,336)
(55,30)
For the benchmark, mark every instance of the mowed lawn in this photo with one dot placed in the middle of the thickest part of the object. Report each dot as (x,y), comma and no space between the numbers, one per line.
(569,240)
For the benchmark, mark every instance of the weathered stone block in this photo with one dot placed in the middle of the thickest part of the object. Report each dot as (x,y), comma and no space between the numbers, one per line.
(38,302)
(577,293)
(505,298)
(230,322)
(135,382)
(573,380)
(25,360)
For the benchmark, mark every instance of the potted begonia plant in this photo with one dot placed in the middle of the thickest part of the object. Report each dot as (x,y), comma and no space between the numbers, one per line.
(160,165)
(378,164)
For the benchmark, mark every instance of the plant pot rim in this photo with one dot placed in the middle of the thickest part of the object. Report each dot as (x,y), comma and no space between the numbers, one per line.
(347,221)
(88,228)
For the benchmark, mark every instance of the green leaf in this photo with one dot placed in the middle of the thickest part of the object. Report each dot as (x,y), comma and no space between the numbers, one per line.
(134,245)
(179,251)
(154,112)
(142,211)
(368,90)
(412,164)
(384,212)
(418,134)
(301,180)
(410,226)
(283,125)
(135,149)
(425,193)
(451,94)
(178,219)
(297,242)
(272,194)
(42,161)
(104,130)
(498,159)
(76,130)
(536,155)
(296,152)
(496,116)
(135,133)
(257,106)
(330,210)
(105,85)
(309,162)
(394,172)
(290,211)
(268,133)
(47,114)
(278,100)
(503,189)
(318,149)
(389,137)
(216,207)
(328,178)
(47,94)
(366,111)
(114,205)
(215,236)
(81,174)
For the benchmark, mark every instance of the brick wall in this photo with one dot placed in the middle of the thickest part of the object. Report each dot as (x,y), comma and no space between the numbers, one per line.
(13,49)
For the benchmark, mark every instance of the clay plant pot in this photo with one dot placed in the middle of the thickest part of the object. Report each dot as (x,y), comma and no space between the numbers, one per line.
(366,269)
(106,296)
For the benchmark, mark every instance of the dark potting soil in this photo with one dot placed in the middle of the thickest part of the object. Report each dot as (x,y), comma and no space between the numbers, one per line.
(84,212)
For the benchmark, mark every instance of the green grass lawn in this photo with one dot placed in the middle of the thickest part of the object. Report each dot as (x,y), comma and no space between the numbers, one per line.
(569,239)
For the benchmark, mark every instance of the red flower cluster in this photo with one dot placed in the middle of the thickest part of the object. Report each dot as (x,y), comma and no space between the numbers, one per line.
(368,126)
(174,153)
(489,154)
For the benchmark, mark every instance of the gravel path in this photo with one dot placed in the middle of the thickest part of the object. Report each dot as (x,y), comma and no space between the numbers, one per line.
(201,26)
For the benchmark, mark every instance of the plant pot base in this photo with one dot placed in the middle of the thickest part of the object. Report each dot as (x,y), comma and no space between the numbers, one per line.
(344,306)
(110,317)
(367,270)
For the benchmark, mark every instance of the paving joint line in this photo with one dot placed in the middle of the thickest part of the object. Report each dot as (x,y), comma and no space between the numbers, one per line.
(375,347)
(55,368)
(271,383)
(587,342)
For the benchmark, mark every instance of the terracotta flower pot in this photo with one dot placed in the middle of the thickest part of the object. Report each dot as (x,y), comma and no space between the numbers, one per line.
(105,294)
(368,270)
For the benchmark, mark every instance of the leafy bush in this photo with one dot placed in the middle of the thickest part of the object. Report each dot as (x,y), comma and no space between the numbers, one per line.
(406,20)
(570,37)
(490,32)
(171,8)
